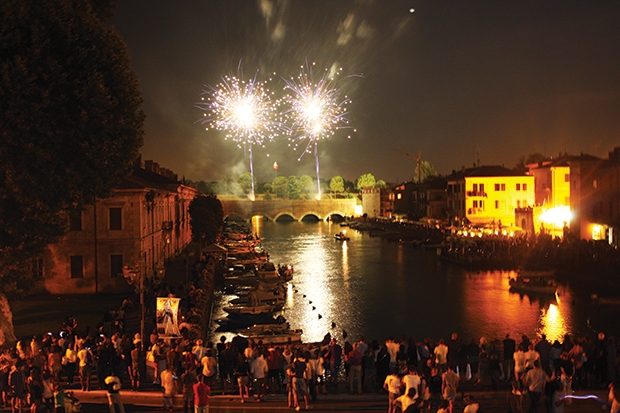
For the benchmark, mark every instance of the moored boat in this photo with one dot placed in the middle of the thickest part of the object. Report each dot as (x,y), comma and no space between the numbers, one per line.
(534,281)
(256,309)
(276,337)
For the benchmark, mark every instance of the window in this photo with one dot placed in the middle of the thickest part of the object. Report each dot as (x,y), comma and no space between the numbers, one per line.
(115,219)
(566,177)
(399,196)
(77,266)
(524,186)
(75,219)
(481,204)
(518,202)
(503,187)
(482,188)
(594,184)
(497,187)
(518,187)
(476,204)
(116,265)
(496,204)
(475,187)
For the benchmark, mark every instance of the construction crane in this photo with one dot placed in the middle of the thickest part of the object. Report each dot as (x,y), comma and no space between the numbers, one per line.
(418,160)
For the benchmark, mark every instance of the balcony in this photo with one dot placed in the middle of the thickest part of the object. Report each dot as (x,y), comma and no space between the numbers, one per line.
(480,194)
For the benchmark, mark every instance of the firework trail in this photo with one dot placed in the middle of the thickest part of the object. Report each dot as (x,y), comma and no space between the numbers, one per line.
(316,111)
(245,110)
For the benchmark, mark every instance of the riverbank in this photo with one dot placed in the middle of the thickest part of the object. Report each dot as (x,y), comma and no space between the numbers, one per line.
(574,260)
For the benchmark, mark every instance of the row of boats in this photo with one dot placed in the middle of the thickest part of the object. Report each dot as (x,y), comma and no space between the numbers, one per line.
(259,288)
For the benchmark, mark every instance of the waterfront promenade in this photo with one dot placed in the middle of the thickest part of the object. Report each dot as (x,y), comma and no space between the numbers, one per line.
(150,400)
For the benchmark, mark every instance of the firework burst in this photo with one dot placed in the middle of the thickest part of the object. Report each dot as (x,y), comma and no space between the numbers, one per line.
(316,111)
(245,110)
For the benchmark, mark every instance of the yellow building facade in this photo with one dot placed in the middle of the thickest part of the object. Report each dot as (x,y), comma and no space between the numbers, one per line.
(488,195)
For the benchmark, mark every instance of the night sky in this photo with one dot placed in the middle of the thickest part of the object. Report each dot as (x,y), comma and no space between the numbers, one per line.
(461,81)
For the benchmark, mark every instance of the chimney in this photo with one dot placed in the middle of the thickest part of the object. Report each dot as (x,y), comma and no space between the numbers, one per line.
(148,165)
(155,168)
(138,161)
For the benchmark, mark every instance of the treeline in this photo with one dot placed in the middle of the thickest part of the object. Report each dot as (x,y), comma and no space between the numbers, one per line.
(291,187)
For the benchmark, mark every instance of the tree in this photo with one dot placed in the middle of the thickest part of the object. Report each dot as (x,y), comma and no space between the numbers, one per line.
(206,217)
(525,160)
(294,188)
(280,185)
(307,184)
(365,181)
(71,123)
(381,184)
(426,171)
(336,184)
(245,182)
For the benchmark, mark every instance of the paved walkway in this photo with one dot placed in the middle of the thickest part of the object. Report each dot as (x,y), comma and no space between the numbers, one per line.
(489,401)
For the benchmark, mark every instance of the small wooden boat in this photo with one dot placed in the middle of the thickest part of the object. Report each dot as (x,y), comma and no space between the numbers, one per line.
(342,236)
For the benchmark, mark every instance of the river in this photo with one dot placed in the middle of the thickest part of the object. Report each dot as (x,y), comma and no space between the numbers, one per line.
(370,287)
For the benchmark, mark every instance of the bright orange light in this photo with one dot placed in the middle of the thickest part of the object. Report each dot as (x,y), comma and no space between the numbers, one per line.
(557,216)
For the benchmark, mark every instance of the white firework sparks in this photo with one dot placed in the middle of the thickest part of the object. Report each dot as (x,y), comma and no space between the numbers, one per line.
(316,112)
(245,110)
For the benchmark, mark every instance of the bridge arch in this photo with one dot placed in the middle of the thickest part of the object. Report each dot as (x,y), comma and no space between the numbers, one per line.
(268,217)
(339,213)
(311,214)
(284,213)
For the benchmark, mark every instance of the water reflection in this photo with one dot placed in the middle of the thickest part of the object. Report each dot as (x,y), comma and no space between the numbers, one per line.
(369,287)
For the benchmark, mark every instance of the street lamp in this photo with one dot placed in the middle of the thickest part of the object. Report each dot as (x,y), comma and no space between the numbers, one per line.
(131,272)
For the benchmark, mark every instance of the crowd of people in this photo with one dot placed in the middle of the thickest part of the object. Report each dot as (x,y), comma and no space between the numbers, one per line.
(417,375)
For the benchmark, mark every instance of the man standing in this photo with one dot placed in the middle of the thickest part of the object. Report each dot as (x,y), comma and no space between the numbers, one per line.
(334,354)
(354,358)
(508,362)
(169,388)
(449,386)
(392,385)
(259,371)
(188,379)
(299,381)
(535,380)
(201,395)
(113,386)
(441,356)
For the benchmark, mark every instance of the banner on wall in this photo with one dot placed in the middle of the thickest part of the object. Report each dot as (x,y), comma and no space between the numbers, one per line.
(167,317)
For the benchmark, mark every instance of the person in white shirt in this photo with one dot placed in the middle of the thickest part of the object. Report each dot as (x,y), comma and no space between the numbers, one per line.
(259,371)
(412,380)
(392,385)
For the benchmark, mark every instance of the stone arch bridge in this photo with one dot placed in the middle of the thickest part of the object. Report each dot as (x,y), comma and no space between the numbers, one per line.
(296,209)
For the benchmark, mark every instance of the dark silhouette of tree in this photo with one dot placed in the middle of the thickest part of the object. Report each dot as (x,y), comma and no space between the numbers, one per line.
(71,123)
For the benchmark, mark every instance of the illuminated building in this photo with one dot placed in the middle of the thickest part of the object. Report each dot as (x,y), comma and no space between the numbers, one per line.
(552,196)
(144,223)
(552,182)
(595,196)
(415,201)
(378,202)
(488,195)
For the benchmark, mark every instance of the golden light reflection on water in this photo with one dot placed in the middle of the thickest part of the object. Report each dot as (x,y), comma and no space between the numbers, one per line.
(345,261)
(314,260)
(257,225)
(496,307)
(552,323)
